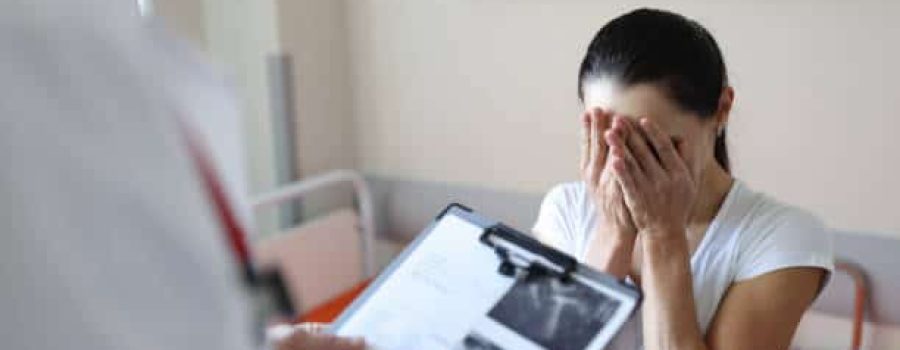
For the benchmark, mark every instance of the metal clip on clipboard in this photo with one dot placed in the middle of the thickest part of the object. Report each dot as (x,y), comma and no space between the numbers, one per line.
(520,252)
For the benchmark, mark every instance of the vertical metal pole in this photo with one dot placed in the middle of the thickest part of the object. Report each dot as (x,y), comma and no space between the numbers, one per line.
(281,89)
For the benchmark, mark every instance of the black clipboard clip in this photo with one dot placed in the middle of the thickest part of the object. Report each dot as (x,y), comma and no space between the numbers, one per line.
(520,252)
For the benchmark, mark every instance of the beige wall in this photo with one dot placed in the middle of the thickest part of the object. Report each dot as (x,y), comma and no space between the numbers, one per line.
(240,36)
(483,92)
(313,33)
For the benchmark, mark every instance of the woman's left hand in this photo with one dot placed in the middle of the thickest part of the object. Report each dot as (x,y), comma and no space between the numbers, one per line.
(659,190)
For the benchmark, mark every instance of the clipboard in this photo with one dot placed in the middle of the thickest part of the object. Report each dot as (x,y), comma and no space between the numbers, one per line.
(470,282)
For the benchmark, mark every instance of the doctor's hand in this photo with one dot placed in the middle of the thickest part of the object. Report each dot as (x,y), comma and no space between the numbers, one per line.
(614,240)
(311,336)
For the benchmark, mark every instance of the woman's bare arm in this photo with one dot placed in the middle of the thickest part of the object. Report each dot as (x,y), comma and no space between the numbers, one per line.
(670,318)
(763,312)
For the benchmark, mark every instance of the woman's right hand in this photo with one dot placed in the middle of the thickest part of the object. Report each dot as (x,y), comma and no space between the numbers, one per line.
(610,251)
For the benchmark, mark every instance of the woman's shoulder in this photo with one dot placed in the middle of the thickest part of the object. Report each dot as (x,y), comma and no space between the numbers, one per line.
(768,214)
(573,199)
(566,217)
(775,234)
(567,192)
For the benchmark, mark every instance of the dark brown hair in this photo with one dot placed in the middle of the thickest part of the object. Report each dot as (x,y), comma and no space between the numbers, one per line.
(662,47)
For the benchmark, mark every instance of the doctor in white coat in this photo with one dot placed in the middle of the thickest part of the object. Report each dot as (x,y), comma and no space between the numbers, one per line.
(107,237)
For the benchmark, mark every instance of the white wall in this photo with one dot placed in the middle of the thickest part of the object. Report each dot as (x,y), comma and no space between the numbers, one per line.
(483,92)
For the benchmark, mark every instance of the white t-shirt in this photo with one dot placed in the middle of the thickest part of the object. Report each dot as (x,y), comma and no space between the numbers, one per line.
(752,234)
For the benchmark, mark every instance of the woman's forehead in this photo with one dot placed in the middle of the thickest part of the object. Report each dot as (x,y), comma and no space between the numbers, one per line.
(642,100)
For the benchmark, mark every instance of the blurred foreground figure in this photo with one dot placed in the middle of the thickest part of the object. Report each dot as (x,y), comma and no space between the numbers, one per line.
(107,237)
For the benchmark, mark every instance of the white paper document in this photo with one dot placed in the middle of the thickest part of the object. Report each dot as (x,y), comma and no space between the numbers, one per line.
(447,293)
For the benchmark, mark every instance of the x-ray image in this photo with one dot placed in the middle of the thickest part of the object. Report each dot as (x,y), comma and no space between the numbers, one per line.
(555,314)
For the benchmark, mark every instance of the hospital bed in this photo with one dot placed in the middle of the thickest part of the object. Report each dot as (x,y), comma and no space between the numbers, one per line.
(324,261)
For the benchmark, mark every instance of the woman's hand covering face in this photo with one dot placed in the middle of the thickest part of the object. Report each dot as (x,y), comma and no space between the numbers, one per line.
(606,190)
(657,184)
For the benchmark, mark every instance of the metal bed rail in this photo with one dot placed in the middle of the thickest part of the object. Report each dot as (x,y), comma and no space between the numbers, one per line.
(297,189)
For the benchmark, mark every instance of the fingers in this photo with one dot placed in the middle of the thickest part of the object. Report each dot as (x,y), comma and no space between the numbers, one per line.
(682,149)
(312,327)
(627,176)
(599,122)
(661,142)
(641,150)
(619,150)
(585,141)
(349,344)
(620,153)
(302,340)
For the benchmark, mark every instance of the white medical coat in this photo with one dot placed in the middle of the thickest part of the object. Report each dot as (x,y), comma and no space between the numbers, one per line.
(107,239)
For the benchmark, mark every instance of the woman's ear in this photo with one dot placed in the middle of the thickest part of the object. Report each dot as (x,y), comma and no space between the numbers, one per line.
(726,100)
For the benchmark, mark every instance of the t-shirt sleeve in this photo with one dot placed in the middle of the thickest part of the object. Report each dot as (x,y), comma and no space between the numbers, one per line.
(553,226)
(791,238)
